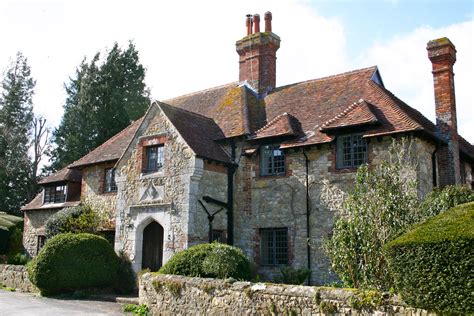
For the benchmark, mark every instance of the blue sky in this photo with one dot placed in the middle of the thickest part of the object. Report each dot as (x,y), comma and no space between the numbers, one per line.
(189,45)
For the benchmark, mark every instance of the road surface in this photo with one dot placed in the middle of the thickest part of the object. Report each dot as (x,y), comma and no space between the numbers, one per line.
(19,304)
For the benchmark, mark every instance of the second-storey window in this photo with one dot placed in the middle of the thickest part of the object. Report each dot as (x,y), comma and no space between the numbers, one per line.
(154,158)
(351,151)
(55,194)
(109,181)
(272,160)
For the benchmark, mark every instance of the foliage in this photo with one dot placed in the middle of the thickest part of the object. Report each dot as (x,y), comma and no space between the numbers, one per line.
(71,262)
(16,115)
(77,219)
(440,200)
(18,259)
(366,300)
(126,281)
(139,310)
(209,260)
(432,263)
(11,228)
(376,211)
(291,275)
(102,99)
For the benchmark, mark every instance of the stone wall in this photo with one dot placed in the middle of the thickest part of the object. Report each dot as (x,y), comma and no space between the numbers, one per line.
(34,227)
(16,276)
(179,295)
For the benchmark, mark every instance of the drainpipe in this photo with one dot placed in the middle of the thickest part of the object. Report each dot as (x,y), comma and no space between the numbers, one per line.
(433,164)
(230,196)
(308,235)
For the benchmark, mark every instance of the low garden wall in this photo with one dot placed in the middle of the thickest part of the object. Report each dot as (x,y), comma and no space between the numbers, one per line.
(179,295)
(16,276)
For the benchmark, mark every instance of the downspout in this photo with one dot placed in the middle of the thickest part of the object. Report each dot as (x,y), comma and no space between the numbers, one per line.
(308,235)
(433,164)
(231,168)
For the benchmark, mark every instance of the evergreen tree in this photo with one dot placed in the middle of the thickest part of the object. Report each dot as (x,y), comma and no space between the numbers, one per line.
(16,116)
(102,100)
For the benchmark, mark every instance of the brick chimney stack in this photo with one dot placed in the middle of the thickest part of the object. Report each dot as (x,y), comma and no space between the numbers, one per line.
(442,55)
(257,55)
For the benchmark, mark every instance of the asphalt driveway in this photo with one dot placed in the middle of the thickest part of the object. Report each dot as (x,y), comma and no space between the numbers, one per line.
(14,303)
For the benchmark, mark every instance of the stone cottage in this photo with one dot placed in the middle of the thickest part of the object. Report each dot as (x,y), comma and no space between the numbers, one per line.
(244,162)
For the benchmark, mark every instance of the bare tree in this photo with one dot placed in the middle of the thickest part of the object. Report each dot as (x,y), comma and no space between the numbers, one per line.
(40,144)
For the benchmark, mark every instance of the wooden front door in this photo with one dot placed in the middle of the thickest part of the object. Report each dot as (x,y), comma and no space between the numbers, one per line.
(152,247)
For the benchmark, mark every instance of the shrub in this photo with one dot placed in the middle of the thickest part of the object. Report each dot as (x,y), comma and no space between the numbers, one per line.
(209,260)
(11,228)
(432,263)
(71,262)
(440,200)
(77,219)
(18,259)
(291,275)
(126,281)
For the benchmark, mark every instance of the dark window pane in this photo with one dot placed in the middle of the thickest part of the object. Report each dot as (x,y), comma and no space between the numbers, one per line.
(351,151)
(109,181)
(272,160)
(155,158)
(40,243)
(274,246)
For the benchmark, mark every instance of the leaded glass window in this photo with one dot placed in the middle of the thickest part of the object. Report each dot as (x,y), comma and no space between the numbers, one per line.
(109,181)
(351,151)
(274,246)
(155,158)
(55,194)
(272,160)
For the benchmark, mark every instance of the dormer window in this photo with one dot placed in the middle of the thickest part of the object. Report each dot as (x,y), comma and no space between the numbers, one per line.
(109,181)
(272,160)
(351,151)
(154,158)
(55,194)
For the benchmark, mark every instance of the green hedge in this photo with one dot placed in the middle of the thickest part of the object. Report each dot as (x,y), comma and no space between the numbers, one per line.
(76,219)
(69,262)
(210,260)
(432,264)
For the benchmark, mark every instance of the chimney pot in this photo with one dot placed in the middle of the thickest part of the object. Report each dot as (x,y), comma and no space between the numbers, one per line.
(268,21)
(256,21)
(248,24)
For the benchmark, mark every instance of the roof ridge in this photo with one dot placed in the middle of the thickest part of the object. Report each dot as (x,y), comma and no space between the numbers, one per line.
(185,110)
(108,140)
(273,121)
(351,72)
(201,91)
(343,113)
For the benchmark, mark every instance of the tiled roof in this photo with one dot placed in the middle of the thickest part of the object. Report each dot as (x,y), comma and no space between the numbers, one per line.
(62,175)
(466,147)
(226,105)
(37,204)
(198,131)
(282,125)
(356,114)
(111,150)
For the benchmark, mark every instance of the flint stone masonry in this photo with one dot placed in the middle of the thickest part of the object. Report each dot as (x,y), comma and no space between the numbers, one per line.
(34,227)
(179,295)
(16,276)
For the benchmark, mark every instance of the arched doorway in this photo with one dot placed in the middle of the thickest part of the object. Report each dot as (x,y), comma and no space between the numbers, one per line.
(152,257)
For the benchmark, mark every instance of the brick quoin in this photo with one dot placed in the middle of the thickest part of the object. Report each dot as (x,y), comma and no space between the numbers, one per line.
(442,55)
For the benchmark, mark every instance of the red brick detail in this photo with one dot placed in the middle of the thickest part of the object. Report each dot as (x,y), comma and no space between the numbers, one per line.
(442,55)
(247,185)
(215,167)
(143,143)
(257,60)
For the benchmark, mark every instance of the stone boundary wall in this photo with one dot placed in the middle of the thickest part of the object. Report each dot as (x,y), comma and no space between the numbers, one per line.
(179,295)
(16,276)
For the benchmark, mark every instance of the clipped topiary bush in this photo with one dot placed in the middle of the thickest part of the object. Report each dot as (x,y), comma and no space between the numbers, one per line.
(70,262)
(77,219)
(209,260)
(291,275)
(432,263)
(442,199)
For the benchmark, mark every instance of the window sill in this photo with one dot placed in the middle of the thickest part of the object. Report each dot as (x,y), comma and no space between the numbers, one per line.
(109,193)
(273,176)
(153,174)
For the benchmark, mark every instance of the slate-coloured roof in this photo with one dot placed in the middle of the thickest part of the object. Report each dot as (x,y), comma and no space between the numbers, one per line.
(37,204)
(111,150)
(62,175)
(198,131)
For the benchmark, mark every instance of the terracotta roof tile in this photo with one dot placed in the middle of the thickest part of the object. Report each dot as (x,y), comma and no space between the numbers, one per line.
(37,204)
(62,175)
(356,114)
(198,131)
(111,150)
(282,125)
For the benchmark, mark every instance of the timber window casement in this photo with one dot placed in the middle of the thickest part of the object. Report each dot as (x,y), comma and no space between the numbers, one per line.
(351,151)
(274,246)
(55,194)
(154,158)
(272,160)
(109,180)
(40,243)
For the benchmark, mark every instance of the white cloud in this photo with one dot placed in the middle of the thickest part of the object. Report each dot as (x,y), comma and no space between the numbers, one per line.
(406,70)
(190,45)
